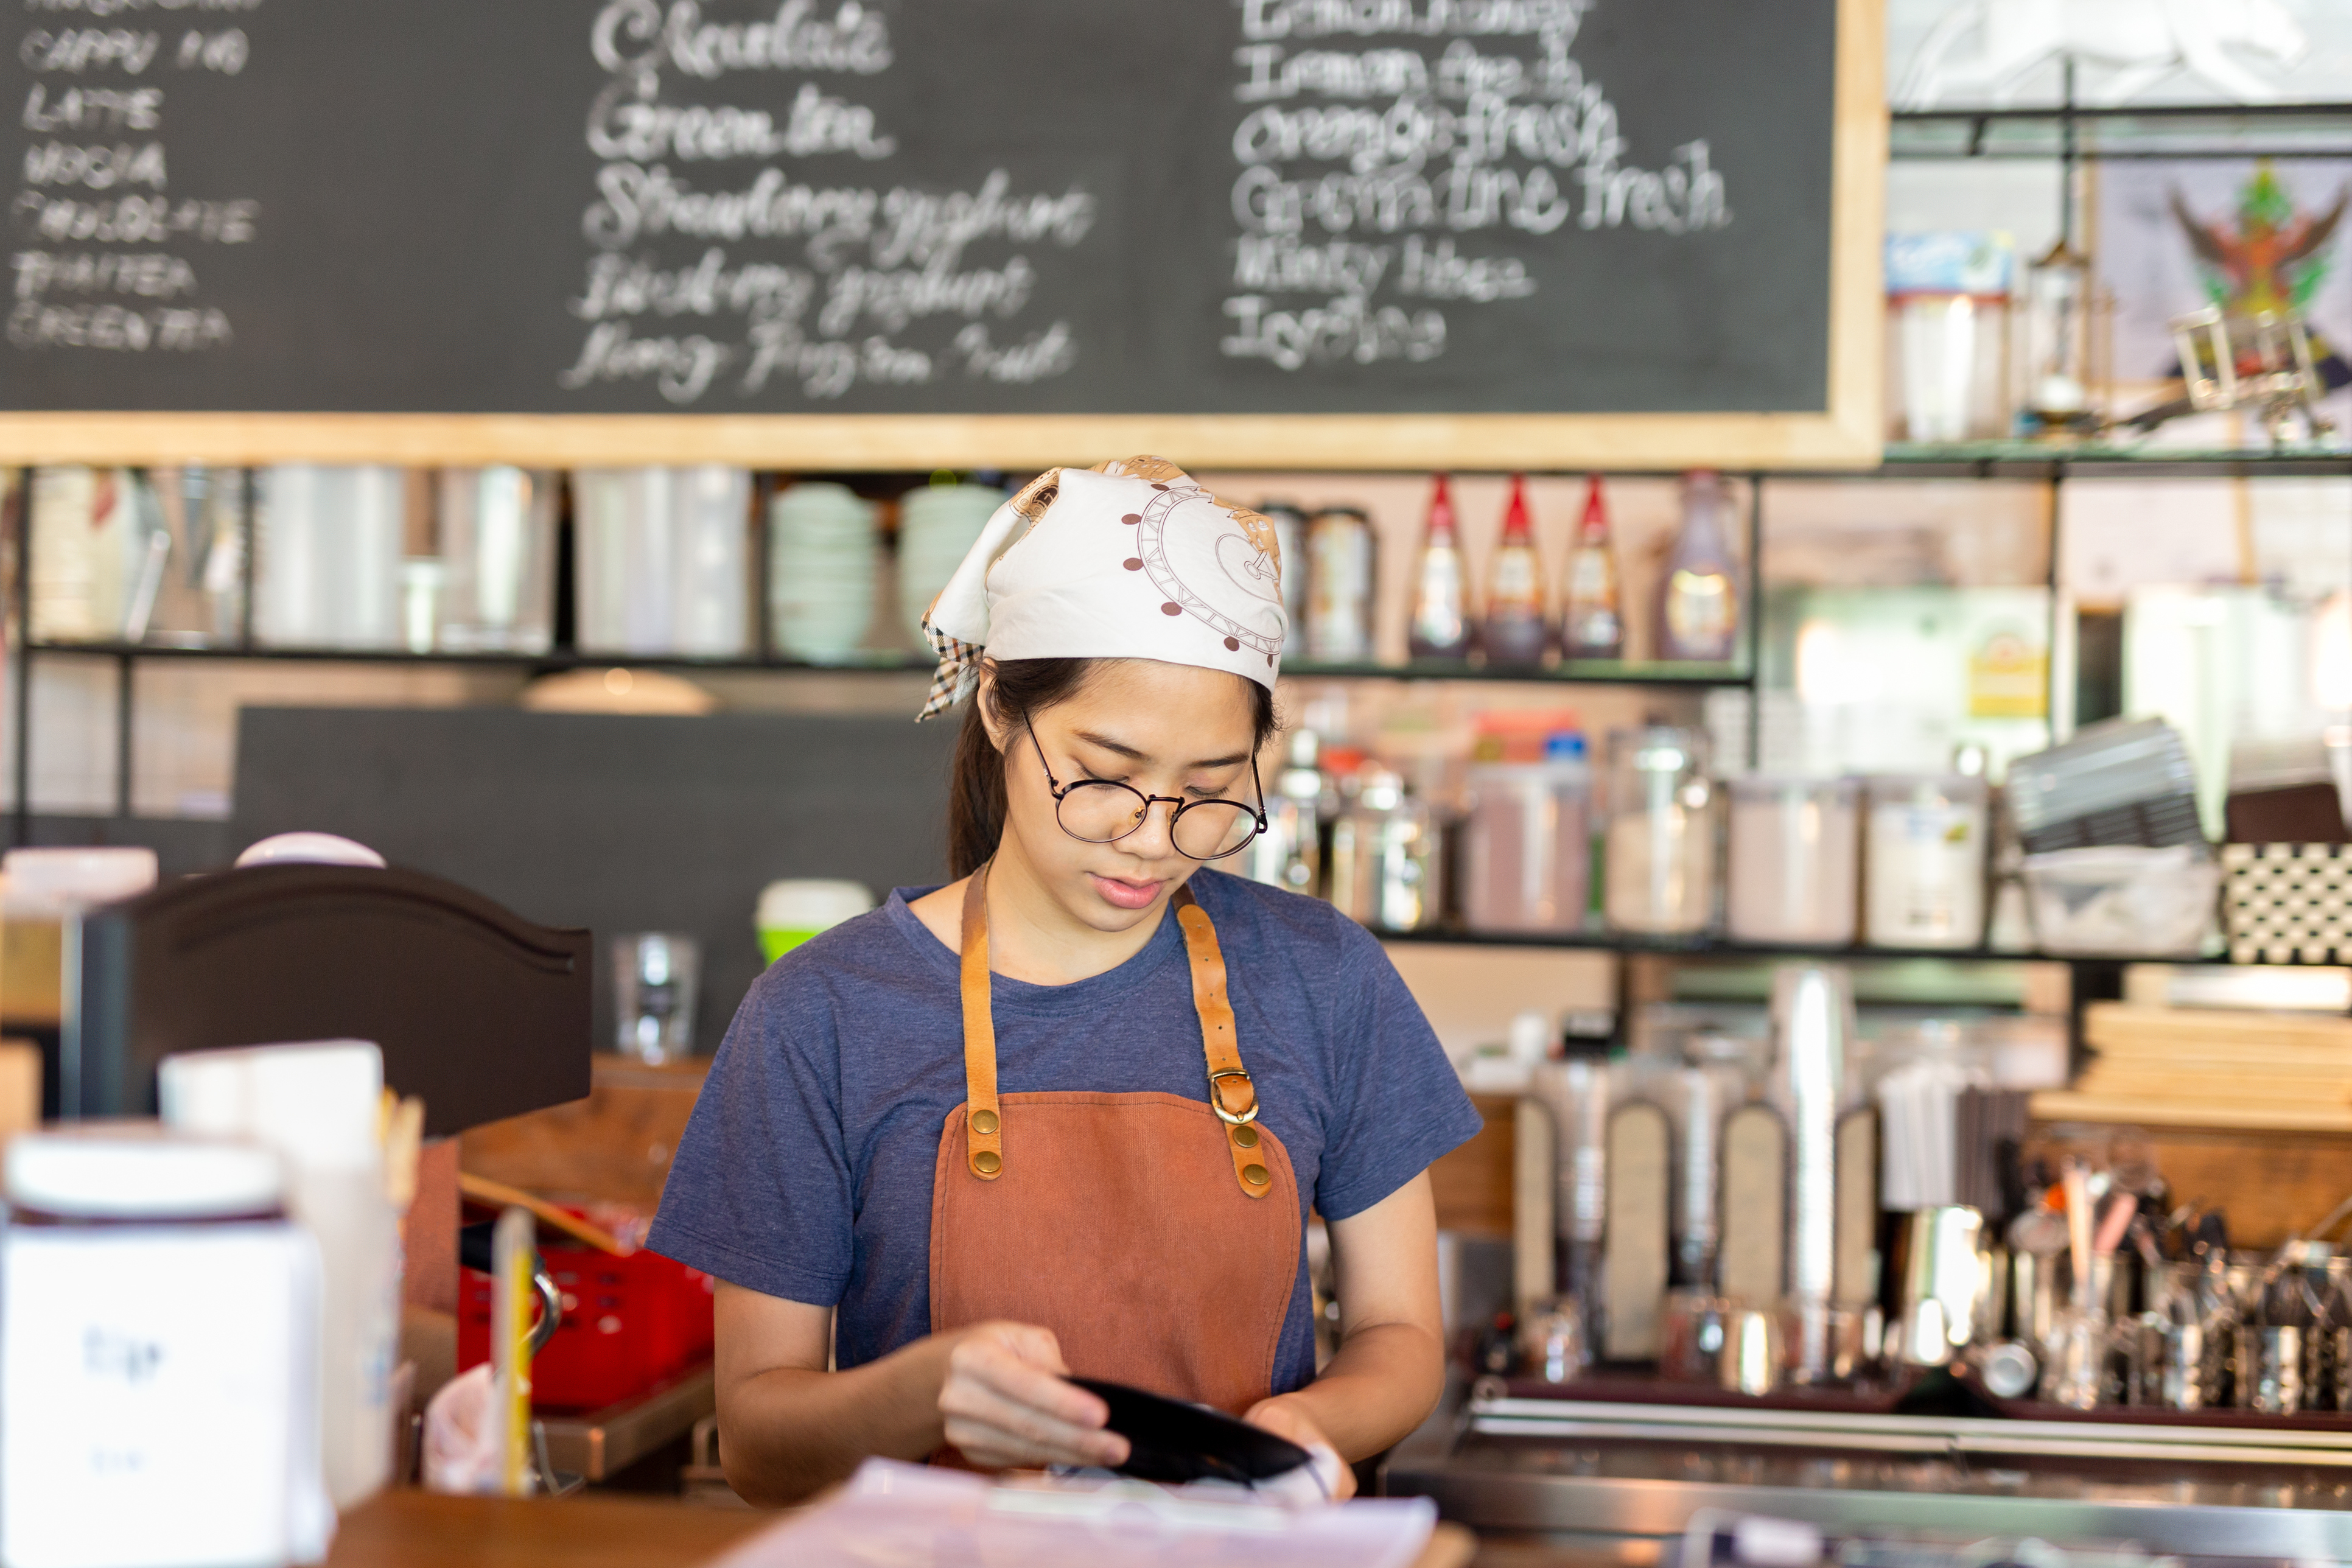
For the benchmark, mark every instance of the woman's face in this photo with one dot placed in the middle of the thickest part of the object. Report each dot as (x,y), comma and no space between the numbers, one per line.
(1163,729)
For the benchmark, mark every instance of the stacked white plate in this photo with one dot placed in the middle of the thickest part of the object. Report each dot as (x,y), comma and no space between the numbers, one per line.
(820,571)
(936,527)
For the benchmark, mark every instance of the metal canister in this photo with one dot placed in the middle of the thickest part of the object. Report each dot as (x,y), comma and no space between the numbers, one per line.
(1290,538)
(1943,1278)
(1342,556)
(2187,1381)
(2270,1370)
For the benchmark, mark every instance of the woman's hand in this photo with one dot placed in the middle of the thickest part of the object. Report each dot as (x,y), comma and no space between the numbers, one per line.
(1286,1417)
(1007,1407)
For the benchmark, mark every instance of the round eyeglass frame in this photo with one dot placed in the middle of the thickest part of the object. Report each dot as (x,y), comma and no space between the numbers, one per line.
(1063,792)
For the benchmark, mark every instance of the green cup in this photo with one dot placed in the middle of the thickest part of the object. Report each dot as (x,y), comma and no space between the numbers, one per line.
(793,911)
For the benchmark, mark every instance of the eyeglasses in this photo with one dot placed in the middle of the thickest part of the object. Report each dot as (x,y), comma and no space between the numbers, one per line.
(1103,811)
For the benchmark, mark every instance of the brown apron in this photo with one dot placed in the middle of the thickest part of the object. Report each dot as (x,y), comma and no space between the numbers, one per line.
(1156,1236)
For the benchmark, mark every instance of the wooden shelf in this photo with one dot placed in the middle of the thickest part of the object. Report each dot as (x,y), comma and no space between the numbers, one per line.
(2066,1105)
(1597,672)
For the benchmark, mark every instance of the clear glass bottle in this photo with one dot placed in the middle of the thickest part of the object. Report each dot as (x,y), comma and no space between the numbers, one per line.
(2056,399)
(1385,859)
(1514,631)
(1699,597)
(1289,853)
(1440,627)
(1591,618)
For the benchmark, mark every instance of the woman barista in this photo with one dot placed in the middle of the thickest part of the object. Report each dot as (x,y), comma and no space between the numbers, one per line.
(1067,1114)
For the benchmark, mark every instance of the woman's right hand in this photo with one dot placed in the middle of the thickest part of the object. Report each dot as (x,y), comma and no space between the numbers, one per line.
(1007,1407)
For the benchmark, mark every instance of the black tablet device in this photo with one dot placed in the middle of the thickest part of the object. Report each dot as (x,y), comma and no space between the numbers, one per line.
(1168,1440)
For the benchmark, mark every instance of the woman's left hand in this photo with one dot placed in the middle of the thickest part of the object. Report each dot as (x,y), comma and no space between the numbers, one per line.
(1287,1417)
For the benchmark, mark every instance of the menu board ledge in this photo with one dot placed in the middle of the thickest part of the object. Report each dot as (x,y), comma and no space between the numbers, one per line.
(1845,439)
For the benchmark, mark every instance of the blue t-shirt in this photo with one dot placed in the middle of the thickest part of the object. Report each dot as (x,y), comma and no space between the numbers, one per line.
(806,1170)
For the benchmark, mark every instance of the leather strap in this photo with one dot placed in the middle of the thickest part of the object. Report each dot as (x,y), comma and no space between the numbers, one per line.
(1232,1095)
(983,1119)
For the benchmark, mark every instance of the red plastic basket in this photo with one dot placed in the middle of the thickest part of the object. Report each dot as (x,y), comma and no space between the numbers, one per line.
(628,1322)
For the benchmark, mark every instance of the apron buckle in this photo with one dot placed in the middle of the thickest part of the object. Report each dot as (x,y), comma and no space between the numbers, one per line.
(1217,1097)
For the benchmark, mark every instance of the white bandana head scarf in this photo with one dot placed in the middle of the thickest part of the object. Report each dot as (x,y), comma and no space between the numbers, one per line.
(1129,560)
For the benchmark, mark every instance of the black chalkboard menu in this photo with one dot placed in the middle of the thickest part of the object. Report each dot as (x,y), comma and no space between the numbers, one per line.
(878,219)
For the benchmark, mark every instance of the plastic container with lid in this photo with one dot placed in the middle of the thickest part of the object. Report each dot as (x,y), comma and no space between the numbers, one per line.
(1385,856)
(160,1333)
(796,909)
(1926,874)
(1792,873)
(1527,845)
(1660,854)
(135,1172)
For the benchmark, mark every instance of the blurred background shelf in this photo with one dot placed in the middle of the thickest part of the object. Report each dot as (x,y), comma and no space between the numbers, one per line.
(2023,459)
(2207,131)
(1608,672)
(1722,947)
(2068,1105)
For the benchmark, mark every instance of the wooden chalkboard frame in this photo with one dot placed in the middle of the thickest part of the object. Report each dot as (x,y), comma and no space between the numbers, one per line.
(1848,433)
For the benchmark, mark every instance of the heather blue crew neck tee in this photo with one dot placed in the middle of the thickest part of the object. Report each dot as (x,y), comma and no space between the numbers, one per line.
(806,1170)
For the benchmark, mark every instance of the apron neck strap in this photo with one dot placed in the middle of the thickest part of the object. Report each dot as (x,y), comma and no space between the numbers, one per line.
(1232,1095)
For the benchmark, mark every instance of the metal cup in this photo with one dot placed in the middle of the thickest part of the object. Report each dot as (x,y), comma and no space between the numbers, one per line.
(1754,1354)
(1943,1278)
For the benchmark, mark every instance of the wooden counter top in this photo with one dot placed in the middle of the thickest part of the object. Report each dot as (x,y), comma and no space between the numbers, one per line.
(408,1529)
(412,1529)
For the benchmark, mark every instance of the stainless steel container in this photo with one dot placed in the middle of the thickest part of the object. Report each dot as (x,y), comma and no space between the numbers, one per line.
(1943,1276)
(1289,853)
(1386,858)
